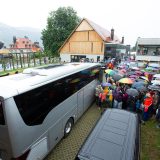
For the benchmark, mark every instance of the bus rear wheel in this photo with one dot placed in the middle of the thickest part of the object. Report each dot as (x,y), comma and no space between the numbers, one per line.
(68,127)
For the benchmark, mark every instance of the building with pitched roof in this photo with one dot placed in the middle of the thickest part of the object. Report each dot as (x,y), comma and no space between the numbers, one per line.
(148,49)
(25,45)
(88,40)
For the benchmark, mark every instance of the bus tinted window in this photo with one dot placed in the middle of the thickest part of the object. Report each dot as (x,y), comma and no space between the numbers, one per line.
(34,105)
(2,122)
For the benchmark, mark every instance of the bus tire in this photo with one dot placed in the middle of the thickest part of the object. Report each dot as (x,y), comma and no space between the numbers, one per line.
(68,127)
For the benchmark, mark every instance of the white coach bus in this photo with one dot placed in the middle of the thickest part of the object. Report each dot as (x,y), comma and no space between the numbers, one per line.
(39,107)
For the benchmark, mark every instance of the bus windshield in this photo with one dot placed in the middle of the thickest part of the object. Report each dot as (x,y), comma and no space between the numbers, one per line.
(1,115)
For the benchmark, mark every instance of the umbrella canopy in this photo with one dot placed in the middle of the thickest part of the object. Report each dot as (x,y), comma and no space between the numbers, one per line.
(117,77)
(142,80)
(130,73)
(110,71)
(138,72)
(143,77)
(123,70)
(154,65)
(133,76)
(138,84)
(154,87)
(157,75)
(120,72)
(142,88)
(106,84)
(155,82)
(132,92)
(135,68)
(126,81)
(151,69)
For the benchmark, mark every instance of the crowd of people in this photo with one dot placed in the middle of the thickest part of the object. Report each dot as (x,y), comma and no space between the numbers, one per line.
(114,93)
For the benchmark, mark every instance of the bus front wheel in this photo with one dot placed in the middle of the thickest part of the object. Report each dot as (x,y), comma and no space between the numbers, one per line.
(68,127)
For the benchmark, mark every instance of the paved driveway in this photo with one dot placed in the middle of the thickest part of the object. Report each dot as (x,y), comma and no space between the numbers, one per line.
(67,148)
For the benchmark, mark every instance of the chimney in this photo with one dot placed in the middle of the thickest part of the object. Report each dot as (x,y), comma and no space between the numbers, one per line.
(112,34)
(122,40)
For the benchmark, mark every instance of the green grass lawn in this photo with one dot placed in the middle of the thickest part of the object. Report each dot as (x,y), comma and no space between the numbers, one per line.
(10,72)
(150,141)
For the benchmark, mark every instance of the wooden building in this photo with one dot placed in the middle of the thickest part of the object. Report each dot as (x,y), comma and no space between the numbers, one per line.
(88,40)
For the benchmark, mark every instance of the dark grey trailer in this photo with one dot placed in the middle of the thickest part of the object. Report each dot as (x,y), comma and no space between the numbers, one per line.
(116,136)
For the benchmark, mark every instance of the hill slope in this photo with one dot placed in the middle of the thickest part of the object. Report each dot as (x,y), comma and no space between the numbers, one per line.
(7,32)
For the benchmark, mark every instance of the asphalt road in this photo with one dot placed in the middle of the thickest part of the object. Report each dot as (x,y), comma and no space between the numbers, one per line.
(67,148)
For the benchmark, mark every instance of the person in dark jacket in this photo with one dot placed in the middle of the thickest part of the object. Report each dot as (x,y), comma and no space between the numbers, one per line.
(117,95)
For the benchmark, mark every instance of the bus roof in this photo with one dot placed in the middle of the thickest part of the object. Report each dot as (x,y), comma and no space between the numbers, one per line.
(35,77)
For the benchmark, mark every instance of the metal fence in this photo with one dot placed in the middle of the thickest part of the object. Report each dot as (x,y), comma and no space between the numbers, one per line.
(25,60)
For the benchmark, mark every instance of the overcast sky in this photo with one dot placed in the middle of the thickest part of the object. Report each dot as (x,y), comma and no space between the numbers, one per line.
(129,18)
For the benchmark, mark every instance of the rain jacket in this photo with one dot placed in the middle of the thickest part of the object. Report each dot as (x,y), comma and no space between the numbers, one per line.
(148,101)
(117,94)
(102,97)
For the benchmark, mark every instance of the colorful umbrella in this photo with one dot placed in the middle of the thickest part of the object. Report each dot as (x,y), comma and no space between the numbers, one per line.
(123,70)
(126,81)
(110,71)
(106,84)
(138,72)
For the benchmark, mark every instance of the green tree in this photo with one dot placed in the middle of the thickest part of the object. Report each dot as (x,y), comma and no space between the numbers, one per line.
(60,24)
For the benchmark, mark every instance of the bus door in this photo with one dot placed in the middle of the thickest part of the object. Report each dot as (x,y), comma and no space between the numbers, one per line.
(80,102)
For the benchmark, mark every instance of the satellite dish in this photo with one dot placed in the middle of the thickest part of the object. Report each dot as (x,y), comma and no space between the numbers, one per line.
(1,44)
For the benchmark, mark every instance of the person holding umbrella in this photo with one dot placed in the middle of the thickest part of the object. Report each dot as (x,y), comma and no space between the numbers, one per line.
(147,103)
(117,95)
(98,90)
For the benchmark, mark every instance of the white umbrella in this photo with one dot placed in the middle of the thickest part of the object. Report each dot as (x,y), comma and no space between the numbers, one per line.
(154,65)
(143,77)
(157,75)
(155,82)
(135,68)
